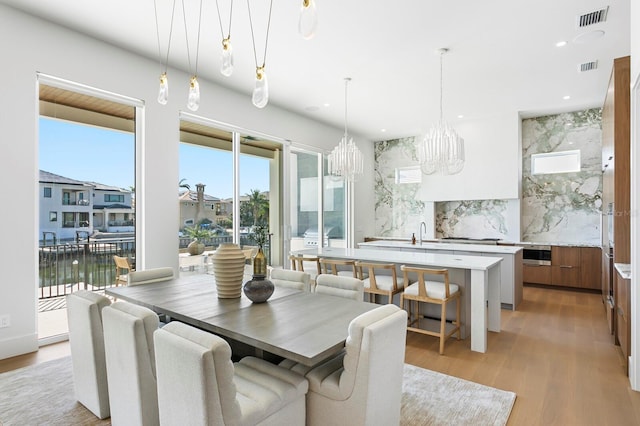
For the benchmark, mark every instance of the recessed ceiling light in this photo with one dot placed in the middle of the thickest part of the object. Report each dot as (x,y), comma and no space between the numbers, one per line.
(383,130)
(326,104)
(566,97)
(460,116)
(561,43)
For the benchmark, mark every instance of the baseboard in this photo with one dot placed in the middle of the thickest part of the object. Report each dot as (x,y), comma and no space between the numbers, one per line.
(18,345)
(53,339)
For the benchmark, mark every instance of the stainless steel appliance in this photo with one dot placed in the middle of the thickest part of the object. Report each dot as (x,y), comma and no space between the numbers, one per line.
(311,236)
(536,255)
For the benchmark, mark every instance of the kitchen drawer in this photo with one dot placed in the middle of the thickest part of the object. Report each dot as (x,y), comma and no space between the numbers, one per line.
(566,276)
(536,274)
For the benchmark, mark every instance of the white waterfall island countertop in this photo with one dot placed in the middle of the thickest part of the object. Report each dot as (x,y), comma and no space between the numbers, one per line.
(480,248)
(478,276)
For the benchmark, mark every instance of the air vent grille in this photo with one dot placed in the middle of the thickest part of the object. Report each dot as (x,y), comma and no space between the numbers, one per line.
(588,66)
(594,17)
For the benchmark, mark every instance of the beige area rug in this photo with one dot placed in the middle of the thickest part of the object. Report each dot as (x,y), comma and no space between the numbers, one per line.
(43,395)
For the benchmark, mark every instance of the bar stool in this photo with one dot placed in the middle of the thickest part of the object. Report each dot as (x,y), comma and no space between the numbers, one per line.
(298,263)
(436,292)
(342,267)
(386,285)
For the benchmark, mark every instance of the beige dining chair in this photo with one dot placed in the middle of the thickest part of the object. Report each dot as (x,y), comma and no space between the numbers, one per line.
(292,279)
(363,384)
(150,276)
(86,341)
(131,366)
(374,284)
(336,285)
(435,292)
(199,385)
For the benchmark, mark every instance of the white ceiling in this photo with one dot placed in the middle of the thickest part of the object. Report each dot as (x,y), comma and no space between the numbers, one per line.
(502,54)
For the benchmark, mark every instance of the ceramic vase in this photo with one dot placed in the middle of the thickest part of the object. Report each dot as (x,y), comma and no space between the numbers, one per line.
(258,289)
(228,269)
(260,263)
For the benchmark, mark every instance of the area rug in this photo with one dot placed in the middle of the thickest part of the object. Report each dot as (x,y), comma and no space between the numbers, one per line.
(43,395)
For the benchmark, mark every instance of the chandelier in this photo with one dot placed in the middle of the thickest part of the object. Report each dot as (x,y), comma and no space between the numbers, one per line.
(442,149)
(345,161)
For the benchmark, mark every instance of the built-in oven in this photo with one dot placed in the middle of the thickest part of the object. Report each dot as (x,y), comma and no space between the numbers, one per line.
(536,255)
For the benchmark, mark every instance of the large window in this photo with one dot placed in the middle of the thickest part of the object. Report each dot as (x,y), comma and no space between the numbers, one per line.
(113,198)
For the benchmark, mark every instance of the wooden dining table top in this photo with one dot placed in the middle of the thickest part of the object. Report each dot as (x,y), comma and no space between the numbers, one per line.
(304,327)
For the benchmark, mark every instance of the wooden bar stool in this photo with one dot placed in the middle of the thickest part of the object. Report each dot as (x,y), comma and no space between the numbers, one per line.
(386,285)
(436,292)
(312,265)
(342,267)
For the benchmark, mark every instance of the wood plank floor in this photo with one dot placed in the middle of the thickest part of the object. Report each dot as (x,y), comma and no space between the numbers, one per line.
(555,353)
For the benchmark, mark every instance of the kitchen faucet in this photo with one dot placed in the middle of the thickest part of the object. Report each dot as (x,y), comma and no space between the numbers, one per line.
(422,224)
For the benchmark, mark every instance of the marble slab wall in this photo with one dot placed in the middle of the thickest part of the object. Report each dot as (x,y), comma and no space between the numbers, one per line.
(563,207)
(399,209)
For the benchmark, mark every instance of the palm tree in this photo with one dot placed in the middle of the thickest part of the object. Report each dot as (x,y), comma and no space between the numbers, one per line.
(258,204)
(181,184)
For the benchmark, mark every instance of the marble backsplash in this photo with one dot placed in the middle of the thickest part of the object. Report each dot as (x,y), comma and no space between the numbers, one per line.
(563,207)
(474,219)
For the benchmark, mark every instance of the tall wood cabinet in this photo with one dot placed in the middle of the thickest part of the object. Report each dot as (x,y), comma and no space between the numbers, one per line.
(616,197)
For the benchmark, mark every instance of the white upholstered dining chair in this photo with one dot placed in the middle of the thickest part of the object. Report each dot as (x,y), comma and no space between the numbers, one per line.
(363,384)
(86,340)
(149,276)
(336,285)
(199,385)
(292,279)
(131,368)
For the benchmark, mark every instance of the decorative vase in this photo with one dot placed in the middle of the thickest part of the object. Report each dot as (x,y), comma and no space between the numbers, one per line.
(228,269)
(258,289)
(260,263)
(195,247)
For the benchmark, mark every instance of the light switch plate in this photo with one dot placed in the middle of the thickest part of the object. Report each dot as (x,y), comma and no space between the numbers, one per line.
(5,321)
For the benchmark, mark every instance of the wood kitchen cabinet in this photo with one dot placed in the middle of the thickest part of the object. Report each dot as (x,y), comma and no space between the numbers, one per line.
(536,274)
(565,266)
(591,268)
(623,317)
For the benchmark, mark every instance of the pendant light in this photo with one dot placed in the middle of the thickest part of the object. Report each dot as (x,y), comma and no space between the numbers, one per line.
(260,96)
(345,161)
(193,100)
(226,57)
(442,149)
(308,21)
(163,91)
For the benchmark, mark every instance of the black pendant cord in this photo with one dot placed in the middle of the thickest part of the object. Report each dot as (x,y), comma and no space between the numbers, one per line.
(220,20)
(163,69)
(186,35)
(266,42)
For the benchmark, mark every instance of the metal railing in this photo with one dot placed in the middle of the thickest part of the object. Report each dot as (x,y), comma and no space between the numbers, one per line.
(64,268)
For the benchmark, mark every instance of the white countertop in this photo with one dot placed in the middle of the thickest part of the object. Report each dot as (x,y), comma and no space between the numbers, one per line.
(624,269)
(408,257)
(479,248)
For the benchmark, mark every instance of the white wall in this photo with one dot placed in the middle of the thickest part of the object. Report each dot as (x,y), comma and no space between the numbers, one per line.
(492,158)
(30,45)
(634,364)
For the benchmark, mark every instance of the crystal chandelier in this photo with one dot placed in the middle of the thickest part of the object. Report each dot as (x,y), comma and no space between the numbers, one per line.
(345,161)
(260,96)
(163,91)
(226,67)
(442,149)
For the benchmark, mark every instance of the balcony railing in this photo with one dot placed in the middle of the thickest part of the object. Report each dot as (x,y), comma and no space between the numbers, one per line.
(65,268)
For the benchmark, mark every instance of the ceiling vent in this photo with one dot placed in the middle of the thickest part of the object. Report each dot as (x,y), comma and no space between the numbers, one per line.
(588,66)
(592,18)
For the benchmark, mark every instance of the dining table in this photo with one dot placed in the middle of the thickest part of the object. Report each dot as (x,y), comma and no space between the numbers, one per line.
(304,327)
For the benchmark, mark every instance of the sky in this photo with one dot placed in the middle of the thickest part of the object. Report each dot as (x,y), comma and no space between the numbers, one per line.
(95,154)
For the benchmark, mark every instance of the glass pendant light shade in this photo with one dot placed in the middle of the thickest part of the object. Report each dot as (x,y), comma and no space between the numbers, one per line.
(346,160)
(227,58)
(441,150)
(308,22)
(163,92)
(193,103)
(260,96)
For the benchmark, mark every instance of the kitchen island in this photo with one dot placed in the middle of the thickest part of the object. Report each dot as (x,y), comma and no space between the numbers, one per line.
(510,268)
(478,276)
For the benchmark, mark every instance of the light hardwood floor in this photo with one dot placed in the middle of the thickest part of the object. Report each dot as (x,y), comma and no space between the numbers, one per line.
(555,353)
